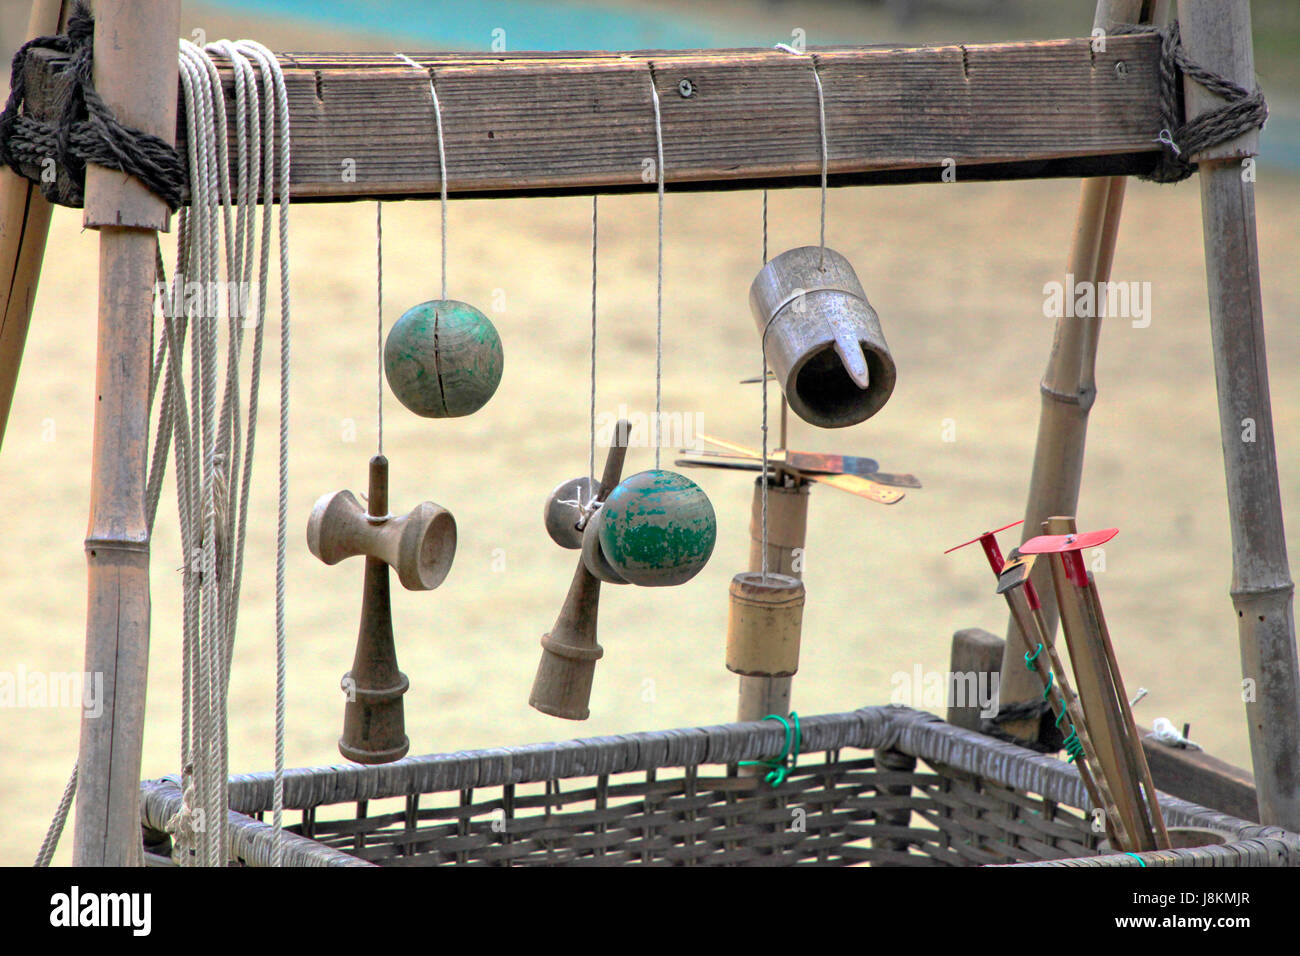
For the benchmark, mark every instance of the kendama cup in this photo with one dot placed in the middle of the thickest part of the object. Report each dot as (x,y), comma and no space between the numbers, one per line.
(563,513)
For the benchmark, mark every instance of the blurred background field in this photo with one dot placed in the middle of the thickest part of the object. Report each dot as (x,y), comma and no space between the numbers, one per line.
(956,274)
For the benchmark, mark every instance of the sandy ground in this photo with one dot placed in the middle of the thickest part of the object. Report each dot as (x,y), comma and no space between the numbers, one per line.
(956,274)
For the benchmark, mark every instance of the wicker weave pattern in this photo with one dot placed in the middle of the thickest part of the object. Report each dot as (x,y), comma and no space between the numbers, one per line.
(880,785)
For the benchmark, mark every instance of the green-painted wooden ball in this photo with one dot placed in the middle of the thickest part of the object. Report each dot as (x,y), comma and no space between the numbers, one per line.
(658,528)
(443,359)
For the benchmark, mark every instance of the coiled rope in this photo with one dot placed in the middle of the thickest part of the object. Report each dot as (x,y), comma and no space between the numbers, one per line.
(219,228)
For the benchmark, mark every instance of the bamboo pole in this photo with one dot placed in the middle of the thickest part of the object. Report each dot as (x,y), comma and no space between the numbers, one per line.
(136,74)
(1217,36)
(1069,386)
(24,226)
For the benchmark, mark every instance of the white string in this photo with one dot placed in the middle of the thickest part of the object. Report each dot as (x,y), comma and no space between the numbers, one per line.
(659,277)
(442,161)
(379,319)
(591,450)
(762,384)
(821,117)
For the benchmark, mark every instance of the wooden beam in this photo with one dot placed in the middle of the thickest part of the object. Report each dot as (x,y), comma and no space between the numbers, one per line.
(1217,35)
(1201,778)
(363,124)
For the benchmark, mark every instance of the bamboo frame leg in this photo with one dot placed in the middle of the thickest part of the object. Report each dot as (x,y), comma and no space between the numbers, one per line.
(1217,35)
(136,74)
(24,226)
(787,525)
(1069,385)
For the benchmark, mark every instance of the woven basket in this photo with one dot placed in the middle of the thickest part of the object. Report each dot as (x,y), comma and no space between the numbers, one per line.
(887,786)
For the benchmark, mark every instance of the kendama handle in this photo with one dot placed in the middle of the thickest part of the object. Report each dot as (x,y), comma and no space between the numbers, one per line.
(374,722)
(562,687)
(614,460)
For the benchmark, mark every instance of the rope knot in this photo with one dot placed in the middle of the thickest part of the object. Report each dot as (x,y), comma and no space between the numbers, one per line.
(83,129)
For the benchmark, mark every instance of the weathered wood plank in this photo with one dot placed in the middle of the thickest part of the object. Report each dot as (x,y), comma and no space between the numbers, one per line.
(1201,778)
(363,124)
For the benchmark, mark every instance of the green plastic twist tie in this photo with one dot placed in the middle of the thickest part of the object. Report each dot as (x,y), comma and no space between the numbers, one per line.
(778,768)
(1073,745)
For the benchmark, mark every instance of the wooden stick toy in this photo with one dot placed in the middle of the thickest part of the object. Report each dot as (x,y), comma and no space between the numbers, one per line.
(1100,685)
(825,474)
(1022,600)
(420,546)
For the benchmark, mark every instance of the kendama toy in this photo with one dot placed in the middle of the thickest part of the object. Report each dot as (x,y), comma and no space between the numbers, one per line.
(419,546)
(443,359)
(822,338)
(562,685)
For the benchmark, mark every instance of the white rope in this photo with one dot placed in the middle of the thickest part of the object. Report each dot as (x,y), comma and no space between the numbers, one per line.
(659,278)
(442,160)
(51,842)
(213,509)
(272,74)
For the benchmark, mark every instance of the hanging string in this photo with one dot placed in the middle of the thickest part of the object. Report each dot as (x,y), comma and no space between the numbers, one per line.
(591,450)
(762,384)
(821,117)
(659,289)
(442,161)
(379,319)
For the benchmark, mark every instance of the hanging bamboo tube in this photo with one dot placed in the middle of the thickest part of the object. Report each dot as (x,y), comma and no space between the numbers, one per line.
(24,226)
(135,72)
(787,526)
(1217,36)
(1069,384)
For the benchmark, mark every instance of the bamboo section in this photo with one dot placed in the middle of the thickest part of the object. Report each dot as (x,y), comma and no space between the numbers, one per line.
(136,74)
(787,525)
(1217,35)
(24,226)
(1069,385)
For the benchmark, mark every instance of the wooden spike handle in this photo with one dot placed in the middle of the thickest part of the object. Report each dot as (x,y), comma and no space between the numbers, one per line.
(562,687)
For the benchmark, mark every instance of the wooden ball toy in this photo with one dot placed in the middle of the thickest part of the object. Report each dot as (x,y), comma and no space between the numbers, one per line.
(657,529)
(563,511)
(443,359)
